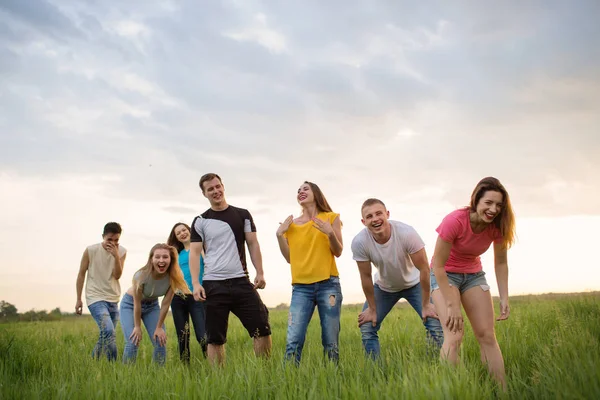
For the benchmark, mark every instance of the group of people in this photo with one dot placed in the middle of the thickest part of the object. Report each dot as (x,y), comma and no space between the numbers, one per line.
(201,273)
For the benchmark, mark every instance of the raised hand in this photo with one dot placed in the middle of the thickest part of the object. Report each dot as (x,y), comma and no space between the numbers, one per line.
(323,226)
(284,226)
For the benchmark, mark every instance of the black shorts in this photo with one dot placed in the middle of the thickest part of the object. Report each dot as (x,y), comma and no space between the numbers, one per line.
(238,296)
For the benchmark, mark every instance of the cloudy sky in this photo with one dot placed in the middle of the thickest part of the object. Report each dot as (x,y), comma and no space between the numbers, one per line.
(112,110)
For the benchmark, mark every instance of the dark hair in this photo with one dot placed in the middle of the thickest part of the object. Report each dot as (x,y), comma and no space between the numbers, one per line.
(370,202)
(112,227)
(505,221)
(173,241)
(208,177)
(320,200)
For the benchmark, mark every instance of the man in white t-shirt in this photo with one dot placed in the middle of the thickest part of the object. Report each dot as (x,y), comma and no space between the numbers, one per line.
(398,253)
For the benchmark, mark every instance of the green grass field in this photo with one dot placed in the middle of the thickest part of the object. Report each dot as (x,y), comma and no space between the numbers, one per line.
(551,346)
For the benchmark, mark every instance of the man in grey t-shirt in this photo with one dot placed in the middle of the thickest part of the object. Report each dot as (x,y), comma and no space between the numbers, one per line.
(398,253)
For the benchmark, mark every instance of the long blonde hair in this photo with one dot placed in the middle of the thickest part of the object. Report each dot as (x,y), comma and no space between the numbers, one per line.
(176,279)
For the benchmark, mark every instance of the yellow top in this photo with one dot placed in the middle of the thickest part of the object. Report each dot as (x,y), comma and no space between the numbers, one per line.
(311,258)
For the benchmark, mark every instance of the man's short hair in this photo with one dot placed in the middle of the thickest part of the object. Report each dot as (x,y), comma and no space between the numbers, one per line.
(112,227)
(370,202)
(208,177)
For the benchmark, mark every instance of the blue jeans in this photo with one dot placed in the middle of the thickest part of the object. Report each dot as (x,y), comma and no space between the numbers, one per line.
(327,297)
(385,301)
(150,315)
(106,315)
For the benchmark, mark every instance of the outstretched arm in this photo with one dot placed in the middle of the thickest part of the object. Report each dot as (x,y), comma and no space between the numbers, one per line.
(194,263)
(370,314)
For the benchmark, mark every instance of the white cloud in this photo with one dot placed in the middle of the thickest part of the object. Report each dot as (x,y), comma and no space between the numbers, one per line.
(259,32)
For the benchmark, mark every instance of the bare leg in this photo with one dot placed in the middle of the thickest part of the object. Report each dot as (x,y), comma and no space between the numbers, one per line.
(216,354)
(262,346)
(480,310)
(452,341)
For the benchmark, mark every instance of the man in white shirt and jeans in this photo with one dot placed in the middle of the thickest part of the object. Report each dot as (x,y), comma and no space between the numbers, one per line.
(398,253)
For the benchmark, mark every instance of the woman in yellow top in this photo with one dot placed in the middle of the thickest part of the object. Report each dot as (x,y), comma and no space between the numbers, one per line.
(310,244)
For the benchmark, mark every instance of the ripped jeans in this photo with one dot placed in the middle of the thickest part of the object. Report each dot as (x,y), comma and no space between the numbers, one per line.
(327,297)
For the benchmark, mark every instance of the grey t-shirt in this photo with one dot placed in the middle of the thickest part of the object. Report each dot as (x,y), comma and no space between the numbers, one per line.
(395,269)
(152,288)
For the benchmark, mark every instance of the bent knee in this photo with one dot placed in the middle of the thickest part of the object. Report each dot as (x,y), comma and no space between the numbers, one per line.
(453,340)
(486,337)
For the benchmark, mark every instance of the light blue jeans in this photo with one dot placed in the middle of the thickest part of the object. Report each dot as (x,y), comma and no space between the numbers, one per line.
(150,315)
(106,315)
(327,297)
(385,301)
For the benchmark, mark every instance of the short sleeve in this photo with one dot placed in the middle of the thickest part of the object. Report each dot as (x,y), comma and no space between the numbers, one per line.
(413,241)
(497,236)
(332,216)
(359,252)
(248,222)
(450,228)
(196,235)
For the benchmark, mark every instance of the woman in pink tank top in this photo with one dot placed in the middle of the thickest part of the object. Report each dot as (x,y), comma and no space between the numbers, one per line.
(464,235)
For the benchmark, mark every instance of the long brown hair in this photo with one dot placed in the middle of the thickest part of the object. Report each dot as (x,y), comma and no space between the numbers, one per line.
(320,200)
(177,282)
(505,221)
(173,241)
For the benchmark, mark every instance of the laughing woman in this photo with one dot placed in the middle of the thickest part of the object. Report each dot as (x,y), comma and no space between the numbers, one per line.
(161,276)
(183,308)
(464,235)
(310,244)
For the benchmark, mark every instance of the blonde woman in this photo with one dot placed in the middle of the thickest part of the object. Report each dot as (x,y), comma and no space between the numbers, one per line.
(161,276)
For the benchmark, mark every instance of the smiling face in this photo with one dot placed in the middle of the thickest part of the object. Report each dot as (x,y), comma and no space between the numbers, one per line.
(182,234)
(489,206)
(305,195)
(375,219)
(111,238)
(214,191)
(161,259)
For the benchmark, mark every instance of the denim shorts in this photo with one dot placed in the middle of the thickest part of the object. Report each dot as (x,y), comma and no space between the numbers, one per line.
(463,282)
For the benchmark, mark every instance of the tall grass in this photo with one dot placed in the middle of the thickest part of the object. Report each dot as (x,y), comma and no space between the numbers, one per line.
(551,346)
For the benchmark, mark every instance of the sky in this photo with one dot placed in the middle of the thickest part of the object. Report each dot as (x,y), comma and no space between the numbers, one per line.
(111,111)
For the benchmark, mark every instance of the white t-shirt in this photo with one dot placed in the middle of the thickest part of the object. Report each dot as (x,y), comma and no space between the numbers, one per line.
(395,269)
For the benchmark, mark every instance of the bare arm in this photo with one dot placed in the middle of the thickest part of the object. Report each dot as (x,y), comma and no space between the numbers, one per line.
(164,307)
(83,267)
(195,253)
(119,263)
(440,256)
(254,249)
(284,247)
(420,261)
(364,269)
(501,268)
(137,307)
(335,238)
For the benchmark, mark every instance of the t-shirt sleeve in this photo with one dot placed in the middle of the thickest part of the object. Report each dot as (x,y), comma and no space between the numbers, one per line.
(497,236)
(248,222)
(450,228)
(332,216)
(413,241)
(196,230)
(359,252)
(137,276)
